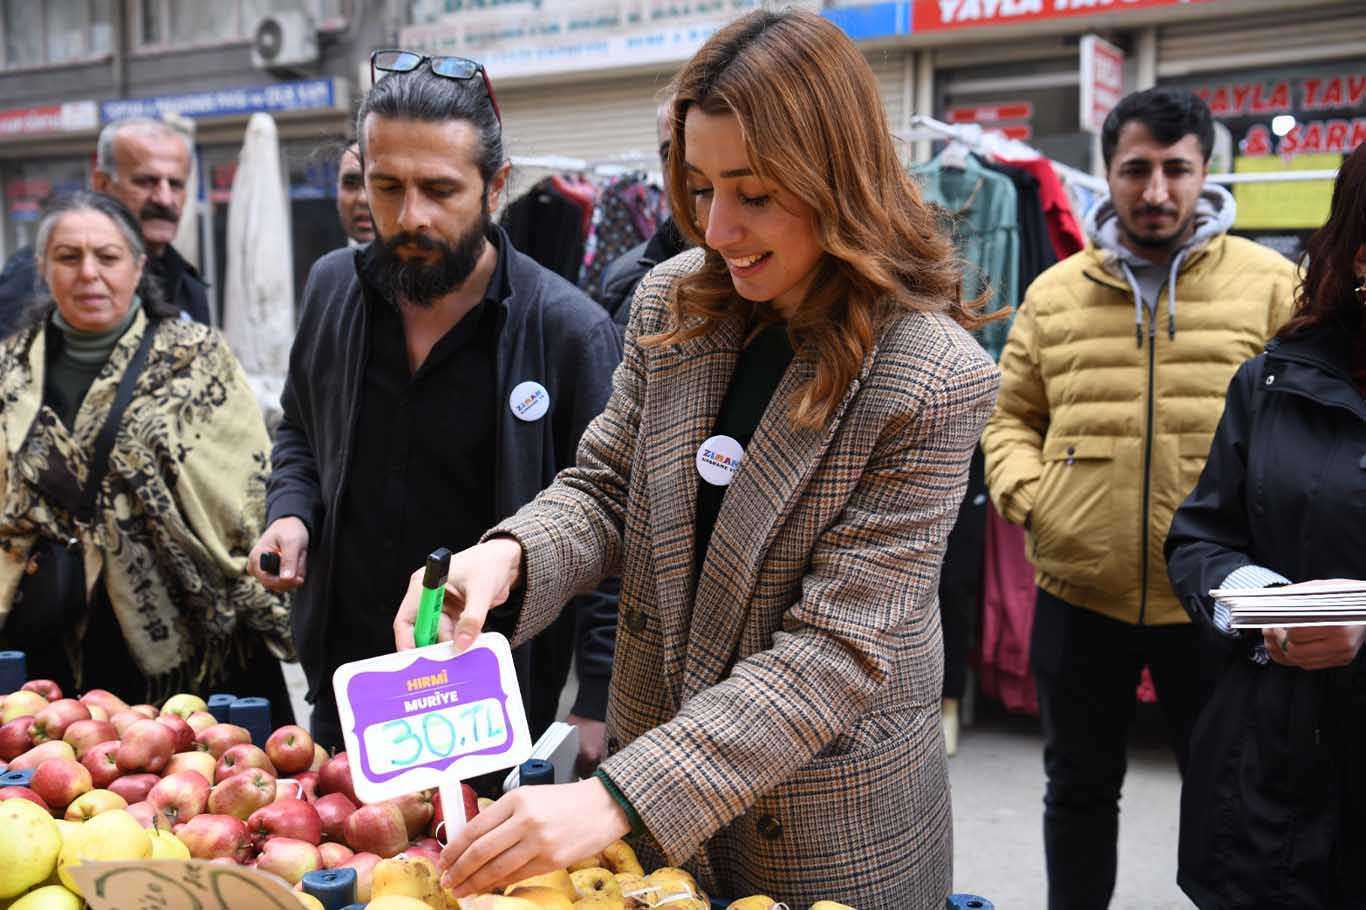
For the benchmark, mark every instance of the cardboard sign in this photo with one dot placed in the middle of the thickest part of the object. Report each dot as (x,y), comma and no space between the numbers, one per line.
(431,718)
(172,884)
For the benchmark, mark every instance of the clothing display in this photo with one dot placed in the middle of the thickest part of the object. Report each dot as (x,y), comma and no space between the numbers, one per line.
(626,215)
(548,225)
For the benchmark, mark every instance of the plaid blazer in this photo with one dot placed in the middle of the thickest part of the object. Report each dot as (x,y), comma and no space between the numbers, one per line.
(777,727)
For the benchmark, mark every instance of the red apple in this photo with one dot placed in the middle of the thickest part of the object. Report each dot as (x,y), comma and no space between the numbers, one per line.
(364,864)
(291,749)
(308,782)
(102,763)
(335,777)
(15,739)
(134,787)
(180,797)
(201,721)
(147,746)
(86,733)
(110,703)
(96,712)
(242,794)
(289,858)
(239,758)
(201,763)
(88,805)
(417,811)
(286,818)
(124,719)
(148,711)
(184,733)
(60,780)
(320,758)
(216,836)
(21,704)
(41,753)
(146,814)
(23,793)
(333,810)
(334,854)
(44,687)
(377,828)
(427,847)
(51,722)
(220,737)
(302,787)
(183,705)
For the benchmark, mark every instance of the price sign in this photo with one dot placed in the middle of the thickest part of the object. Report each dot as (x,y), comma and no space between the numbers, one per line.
(429,718)
(179,885)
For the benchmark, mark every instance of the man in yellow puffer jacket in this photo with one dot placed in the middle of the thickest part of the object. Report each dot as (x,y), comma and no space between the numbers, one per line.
(1113,380)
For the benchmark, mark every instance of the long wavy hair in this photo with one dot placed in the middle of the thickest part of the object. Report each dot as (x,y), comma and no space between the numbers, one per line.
(1327,289)
(813,123)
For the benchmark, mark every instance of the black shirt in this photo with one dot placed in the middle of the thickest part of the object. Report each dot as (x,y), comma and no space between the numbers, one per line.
(422,465)
(758,370)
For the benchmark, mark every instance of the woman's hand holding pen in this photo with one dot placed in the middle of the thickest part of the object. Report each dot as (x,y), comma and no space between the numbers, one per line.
(480,578)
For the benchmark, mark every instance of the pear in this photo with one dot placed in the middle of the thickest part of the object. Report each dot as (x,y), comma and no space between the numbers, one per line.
(112,835)
(621,858)
(411,877)
(50,897)
(29,848)
(559,880)
(595,861)
(590,882)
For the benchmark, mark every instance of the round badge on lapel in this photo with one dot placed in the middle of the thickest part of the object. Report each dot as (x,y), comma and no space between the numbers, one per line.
(718,459)
(529,401)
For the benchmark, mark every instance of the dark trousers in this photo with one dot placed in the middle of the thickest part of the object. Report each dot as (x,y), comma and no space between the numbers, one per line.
(960,579)
(1087,667)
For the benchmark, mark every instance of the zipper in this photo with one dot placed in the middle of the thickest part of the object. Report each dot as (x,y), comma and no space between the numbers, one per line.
(1148,462)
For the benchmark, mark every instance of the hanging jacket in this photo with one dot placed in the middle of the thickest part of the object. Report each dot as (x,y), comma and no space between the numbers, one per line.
(1274,808)
(1098,436)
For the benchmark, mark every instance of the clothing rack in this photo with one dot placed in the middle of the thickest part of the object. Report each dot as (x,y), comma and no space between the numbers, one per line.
(613,166)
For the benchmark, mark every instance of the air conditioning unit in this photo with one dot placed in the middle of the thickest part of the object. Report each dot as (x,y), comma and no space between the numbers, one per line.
(284,40)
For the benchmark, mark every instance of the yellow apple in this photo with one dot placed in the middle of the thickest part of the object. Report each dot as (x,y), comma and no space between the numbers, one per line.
(830,905)
(396,902)
(22,704)
(543,897)
(595,861)
(410,877)
(29,847)
(166,845)
(621,858)
(48,897)
(589,882)
(559,880)
(753,902)
(309,901)
(113,835)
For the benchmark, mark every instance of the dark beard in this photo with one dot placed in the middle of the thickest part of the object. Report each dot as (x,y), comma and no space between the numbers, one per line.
(420,283)
(1159,243)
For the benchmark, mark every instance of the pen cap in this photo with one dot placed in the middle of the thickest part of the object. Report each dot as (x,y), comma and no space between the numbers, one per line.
(438,568)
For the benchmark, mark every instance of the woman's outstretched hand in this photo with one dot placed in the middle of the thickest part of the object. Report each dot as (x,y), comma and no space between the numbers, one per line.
(480,579)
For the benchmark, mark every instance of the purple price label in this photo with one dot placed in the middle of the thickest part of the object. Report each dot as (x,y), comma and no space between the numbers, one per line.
(430,714)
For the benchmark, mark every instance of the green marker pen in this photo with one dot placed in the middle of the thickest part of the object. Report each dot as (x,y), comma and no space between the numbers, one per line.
(433,596)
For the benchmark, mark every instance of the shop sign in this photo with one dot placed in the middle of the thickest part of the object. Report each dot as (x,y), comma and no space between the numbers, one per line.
(933,15)
(1102,81)
(865,21)
(310,94)
(72,117)
(995,112)
(1249,106)
(530,38)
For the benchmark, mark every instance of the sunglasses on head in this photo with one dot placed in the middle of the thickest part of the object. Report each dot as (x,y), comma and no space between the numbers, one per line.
(458,68)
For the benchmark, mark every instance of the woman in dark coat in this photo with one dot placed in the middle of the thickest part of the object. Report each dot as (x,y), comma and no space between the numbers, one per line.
(1273,809)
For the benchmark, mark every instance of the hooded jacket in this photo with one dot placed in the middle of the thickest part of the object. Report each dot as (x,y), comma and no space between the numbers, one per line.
(1107,407)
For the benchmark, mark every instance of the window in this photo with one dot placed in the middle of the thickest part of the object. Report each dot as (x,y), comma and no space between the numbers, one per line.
(49,32)
(176,24)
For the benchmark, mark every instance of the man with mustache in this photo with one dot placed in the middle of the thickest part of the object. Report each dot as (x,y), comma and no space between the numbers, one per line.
(1113,381)
(144,164)
(353,209)
(438,381)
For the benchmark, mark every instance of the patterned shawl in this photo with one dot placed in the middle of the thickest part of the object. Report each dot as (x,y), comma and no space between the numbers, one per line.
(180,506)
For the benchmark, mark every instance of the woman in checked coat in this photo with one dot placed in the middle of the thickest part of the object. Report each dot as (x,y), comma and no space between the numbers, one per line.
(774,477)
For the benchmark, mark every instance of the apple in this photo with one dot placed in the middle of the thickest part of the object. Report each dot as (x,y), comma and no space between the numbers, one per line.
(320,758)
(201,763)
(15,739)
(147,746)
(148,711)
(220,737)
(184,704)
(335,777)
(134,787)
(364,864)
(146,814)
(334,854)
(242,794)
(289,858)
(51,722)
(184,733)
(41,753)
(124,719)
(301,787)
(216,836)
(96,712)
(180,797)
(44,687)
(417,810)
(201,721)
(333,810)
(427,847)
(377,828)
(92,803)
(101,761)
(286,818)
(110,703)
(83,734)
(308,783)
(24,703)
(59,781)
(241,757)
(23,793)
(291,749)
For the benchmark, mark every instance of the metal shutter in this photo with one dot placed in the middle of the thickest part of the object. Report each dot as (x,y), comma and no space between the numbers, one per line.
(889,66)
(1325,32)
(593,120)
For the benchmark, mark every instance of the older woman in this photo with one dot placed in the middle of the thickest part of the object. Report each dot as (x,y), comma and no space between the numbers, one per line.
(136,583)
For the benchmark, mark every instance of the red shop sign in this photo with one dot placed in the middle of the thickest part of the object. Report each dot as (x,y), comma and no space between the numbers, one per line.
(933,15)
(991,112)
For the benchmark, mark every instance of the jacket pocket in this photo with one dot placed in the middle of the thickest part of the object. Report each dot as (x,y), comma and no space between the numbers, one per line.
(1071,524)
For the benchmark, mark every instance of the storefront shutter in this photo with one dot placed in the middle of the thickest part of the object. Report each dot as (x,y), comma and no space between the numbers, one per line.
(593,120)
(1333,31)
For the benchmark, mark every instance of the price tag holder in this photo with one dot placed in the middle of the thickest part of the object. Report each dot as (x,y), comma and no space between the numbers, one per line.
(431,718)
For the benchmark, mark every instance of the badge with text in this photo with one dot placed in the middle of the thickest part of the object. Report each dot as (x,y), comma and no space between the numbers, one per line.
(529,401)
(718,459)
(426,717)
